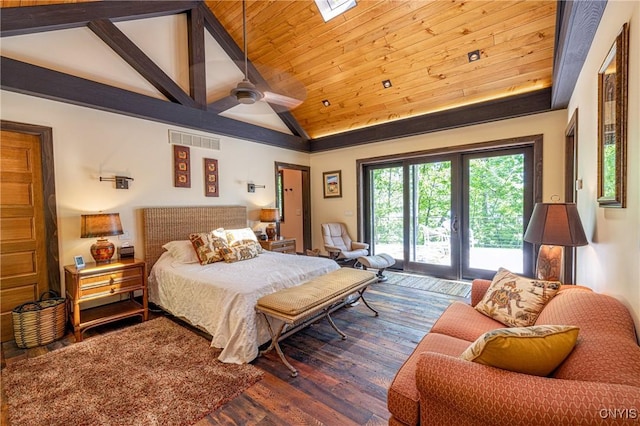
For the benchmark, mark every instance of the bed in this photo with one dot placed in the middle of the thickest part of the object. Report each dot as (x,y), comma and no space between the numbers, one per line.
(219,298)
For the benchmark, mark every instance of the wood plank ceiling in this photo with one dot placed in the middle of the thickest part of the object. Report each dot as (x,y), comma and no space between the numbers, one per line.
(420,46)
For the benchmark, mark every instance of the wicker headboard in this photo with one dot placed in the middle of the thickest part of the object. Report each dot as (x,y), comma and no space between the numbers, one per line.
(164,224)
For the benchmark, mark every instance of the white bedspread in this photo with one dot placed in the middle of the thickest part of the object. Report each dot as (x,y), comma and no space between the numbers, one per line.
(221,297)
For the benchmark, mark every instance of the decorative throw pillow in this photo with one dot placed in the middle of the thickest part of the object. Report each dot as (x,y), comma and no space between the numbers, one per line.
(516,301)
(242,236)
(536,350)
(207,247)
(182,251)
(240,252)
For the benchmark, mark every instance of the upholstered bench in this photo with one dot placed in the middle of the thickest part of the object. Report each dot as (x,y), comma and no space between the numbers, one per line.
(297,307)
(380,262)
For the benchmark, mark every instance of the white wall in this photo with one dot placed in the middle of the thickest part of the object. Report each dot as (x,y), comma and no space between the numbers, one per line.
(551,125)
(611,261)
(89,144)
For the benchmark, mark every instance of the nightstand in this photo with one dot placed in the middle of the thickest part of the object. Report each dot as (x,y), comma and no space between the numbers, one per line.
(283,245)
(99,281)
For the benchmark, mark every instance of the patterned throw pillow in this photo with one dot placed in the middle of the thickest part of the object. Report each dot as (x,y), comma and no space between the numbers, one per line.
(207,247)
(534,350)
(240,252)
(516,301)
(242,236)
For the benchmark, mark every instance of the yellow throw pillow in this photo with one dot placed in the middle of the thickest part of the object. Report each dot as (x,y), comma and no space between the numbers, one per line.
(516,301)
(536,350)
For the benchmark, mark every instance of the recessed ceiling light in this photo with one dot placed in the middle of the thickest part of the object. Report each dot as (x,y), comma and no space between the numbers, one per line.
(326,102)
(386,84)
(473,56)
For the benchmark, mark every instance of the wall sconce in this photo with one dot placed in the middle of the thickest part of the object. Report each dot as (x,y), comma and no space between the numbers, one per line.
(122,182)
(251,187)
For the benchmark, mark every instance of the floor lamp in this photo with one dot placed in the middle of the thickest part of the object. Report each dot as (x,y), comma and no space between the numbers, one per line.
(554,226)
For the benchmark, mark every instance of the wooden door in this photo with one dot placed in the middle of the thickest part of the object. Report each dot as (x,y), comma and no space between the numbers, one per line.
(23,257)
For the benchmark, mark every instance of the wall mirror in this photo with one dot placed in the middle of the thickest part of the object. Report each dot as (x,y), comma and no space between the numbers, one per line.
(612,124)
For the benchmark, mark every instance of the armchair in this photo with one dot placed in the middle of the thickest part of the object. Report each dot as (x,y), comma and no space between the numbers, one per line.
(340,245)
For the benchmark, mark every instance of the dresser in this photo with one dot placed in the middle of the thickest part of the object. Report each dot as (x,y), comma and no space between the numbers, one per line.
(97,282)
(283,245)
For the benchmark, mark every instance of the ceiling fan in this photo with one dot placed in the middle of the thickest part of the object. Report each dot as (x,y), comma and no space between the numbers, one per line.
(246,92)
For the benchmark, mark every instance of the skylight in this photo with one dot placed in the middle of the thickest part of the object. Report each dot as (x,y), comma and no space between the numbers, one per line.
(332,8)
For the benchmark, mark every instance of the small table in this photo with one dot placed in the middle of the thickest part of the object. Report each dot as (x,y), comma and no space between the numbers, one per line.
(100,281)
(282,245)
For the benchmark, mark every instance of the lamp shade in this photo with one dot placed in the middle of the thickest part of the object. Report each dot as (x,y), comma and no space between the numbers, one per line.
(556,224)
(100,225)
(269,215)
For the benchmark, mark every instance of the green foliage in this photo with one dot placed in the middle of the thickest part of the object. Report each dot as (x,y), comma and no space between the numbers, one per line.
(495,203)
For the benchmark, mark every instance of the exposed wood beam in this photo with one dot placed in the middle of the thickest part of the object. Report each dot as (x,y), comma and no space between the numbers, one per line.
(197,69)
(33,19)
(135,57)
(234,52)
(500,109)
(32,80)
(576,27)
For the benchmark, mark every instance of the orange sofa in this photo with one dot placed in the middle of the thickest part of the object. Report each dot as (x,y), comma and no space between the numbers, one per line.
(598,383)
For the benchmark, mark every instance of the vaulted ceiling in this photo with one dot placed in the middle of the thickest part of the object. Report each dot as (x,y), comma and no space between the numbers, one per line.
(421,47)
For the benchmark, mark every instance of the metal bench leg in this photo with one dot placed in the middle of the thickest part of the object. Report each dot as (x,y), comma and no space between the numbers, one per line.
(335,327)
(275,343)
(365,301)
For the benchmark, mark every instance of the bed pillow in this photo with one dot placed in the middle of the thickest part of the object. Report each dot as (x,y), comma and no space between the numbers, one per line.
(516,301)
(207,247)
(240,252)
(220,233)
(536,350)
(182,251)
(242,236)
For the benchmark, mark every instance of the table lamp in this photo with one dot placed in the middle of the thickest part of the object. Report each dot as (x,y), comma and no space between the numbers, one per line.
(555,226)
(101,226)
(272,216)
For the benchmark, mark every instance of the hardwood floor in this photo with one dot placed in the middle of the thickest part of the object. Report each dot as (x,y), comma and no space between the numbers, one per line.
(340,382)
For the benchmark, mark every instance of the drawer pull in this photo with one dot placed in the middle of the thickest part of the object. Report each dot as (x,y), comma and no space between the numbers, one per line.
(113,290)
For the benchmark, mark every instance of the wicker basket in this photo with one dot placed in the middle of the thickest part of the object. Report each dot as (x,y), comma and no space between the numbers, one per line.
(41,322)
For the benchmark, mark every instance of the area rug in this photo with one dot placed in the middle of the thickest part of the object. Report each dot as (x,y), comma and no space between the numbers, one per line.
(436,285)
(152,373)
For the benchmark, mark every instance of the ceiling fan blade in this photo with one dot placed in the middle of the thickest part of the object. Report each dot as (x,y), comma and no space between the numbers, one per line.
(283,100)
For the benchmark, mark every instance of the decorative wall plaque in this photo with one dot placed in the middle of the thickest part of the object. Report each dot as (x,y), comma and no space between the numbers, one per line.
(211,188)
(181,166)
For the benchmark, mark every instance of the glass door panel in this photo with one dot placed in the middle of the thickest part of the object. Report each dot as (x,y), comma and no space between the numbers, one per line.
(387,211)
(432,235)
(493,230)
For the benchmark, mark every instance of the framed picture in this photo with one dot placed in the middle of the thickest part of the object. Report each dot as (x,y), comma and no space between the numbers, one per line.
(332,184)
(181,166)
(612,124)
(211,178)
(79,261)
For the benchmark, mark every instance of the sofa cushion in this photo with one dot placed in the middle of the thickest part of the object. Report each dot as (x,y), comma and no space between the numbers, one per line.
(403,399)
(607,349)
(534,350)
(463,322)
(516,301)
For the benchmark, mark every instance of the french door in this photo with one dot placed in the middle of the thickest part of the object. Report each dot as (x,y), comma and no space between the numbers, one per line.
(459,215)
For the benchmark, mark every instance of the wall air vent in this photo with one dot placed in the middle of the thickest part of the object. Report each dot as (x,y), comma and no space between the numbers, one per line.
(181,138)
